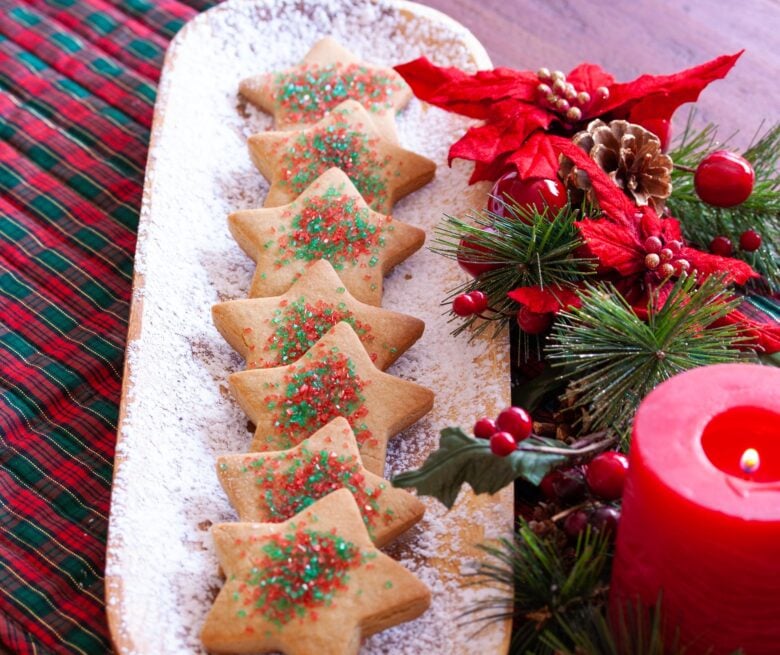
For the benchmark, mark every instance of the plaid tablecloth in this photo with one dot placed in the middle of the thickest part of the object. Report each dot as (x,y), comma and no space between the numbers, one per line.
(78,82)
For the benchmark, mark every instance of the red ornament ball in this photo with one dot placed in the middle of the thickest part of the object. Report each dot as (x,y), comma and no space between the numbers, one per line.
(749,240)
(606,475)
(480,301)
(502,444)
(724,179)
(516,421)
(533,322)
(721,246)
(468,261)
(485,428)
(537,193)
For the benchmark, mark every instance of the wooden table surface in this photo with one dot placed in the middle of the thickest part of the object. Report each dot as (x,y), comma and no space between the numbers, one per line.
(632,37)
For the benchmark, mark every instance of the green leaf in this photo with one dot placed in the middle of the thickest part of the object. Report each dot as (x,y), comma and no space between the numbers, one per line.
(461,458)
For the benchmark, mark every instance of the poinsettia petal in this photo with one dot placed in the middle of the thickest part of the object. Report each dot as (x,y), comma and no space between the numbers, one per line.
(485,142)
(589,77)
(471,95)
(705,264)
(489,171)
(611,199)
(545,300)
(536,157)
(615,246)
(763,334)
(658,96)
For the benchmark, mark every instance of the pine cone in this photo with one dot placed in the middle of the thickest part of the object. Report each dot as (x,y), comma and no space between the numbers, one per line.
(632,157)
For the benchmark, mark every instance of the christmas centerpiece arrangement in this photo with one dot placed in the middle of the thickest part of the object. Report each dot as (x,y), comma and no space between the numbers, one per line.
(623,264)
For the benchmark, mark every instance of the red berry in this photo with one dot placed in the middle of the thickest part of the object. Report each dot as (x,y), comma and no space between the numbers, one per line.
(516,421)
(480,301)
(463,305)
(605,519)
(606,475)
(749,240)
(533,322)
(721,246)
(536,193)
(724,179)
(468,259)
(502,444)
(485,428)
(653,244)
(575,523)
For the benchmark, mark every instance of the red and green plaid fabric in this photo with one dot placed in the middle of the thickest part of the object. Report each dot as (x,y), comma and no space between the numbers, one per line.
(77,90)
(78,85)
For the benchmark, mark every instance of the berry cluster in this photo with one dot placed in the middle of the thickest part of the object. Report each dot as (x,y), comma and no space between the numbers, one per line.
(590,489)
(468,304)
(560,96)
(663,258)
(509,428)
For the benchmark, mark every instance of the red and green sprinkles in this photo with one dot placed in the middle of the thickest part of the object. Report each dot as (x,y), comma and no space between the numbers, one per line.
(298,325)
(291,482)
(306,94)
(294,574)
(316,150)
(331,226)
(313,393)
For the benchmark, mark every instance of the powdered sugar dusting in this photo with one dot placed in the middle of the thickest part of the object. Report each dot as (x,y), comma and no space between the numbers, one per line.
(179,415)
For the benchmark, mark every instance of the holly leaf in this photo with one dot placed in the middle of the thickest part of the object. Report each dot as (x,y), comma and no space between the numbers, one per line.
(461,458)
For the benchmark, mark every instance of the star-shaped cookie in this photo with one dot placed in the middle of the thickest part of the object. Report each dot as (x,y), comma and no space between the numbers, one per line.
(334,378)
(275,486)
(331,221)
(329,74)
(276,331)
(346,138)
(313,584)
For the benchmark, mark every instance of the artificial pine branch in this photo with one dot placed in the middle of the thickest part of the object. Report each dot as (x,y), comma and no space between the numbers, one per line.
(760,212)
(639,631)
(613,359)
(527,248)
(554,585)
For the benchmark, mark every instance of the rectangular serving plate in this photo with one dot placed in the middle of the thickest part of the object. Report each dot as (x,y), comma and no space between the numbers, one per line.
(176,415)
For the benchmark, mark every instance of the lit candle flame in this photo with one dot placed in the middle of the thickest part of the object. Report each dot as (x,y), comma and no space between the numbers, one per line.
(750,461)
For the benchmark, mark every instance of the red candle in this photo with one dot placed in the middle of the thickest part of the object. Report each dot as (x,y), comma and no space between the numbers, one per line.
(701,509)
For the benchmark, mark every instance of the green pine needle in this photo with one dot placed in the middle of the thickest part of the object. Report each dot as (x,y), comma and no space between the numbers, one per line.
(528,248)
(760,212)
(613,359)
(638,631)
(553,586)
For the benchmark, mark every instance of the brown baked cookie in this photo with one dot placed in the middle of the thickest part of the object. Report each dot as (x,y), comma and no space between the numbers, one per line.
(382,171)
(333,378)
(331,221)
(276,331)
(274,486)
(313,585)
(329,74)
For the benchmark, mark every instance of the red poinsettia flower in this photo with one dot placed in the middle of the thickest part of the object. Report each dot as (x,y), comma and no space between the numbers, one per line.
(637,249)
(520,115)
(634,241)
